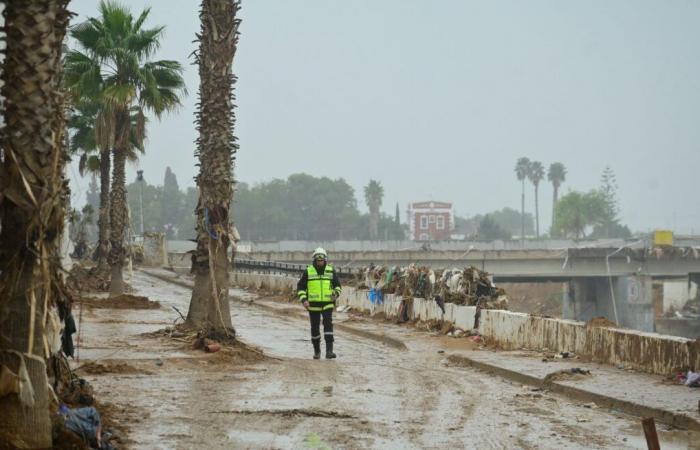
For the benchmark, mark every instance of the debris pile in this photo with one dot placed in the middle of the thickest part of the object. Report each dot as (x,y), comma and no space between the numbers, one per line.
(472,287)
(82,279)
(468,286)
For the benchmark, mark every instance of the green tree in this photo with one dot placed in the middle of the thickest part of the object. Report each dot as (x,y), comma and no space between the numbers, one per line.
(397,215)
(301,207)
(522,171)
(536,175)
(32,159)
(556,175)
(113,66)
(152,206)
(576,212)
(608,189)
(490,230)
(216,148)
(172,203)
(374,193)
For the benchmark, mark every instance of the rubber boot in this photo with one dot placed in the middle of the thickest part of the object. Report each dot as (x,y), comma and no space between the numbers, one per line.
(329,351)
(317,349)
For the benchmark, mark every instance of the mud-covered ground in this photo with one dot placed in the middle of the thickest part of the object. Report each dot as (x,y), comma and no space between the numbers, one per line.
(373,396)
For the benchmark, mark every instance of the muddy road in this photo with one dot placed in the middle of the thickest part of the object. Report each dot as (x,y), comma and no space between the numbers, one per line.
(373,396)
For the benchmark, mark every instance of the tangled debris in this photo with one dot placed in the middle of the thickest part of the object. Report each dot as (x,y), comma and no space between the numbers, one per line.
(468,286)
(227,348)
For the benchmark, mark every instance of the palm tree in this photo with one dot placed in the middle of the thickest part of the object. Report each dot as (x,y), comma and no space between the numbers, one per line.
(556,175)
(374,192)
(32,207)
(84,143)
(216,149)
(536,175)
(113,67)
(94,158)
(522,170)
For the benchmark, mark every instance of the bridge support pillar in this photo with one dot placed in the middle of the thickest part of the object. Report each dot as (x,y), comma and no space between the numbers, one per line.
(629,298)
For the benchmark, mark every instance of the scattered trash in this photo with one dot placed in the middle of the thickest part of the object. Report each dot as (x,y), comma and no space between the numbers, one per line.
(691,379)
(85,422)
(590,405)
(564,355)
(476,338)
(212,347)
(441,351)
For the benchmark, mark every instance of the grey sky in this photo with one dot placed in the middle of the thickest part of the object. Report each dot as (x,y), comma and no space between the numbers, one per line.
(438,99)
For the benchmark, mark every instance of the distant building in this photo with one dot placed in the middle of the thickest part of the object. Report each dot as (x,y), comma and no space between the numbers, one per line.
(430,221)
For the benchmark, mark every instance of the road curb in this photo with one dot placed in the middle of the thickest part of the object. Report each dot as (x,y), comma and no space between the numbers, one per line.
(381,338)
(674,419)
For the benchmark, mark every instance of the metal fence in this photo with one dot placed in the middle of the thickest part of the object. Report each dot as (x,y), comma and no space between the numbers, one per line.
(273,267)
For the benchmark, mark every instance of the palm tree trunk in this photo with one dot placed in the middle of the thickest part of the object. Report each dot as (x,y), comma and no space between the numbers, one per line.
(103,220)
(537,213)
(32,209)
(118,215)
(374,223)
(555,198)
(216,147)
(522,214)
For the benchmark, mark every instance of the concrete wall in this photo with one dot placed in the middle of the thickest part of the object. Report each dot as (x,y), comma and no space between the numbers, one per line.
(631,296)
(676,294)
(354,246)
(647,352)
(155,250)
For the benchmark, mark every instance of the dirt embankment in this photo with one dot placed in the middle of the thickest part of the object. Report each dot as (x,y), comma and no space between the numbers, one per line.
(543,299)
(124,301)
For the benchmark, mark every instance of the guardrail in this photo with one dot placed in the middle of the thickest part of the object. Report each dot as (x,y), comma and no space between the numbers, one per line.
(256,266)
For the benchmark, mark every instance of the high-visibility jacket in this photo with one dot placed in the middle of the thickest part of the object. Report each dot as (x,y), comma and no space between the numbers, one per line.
(319,288)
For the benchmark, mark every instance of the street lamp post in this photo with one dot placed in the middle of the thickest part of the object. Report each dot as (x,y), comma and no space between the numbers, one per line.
(139,177)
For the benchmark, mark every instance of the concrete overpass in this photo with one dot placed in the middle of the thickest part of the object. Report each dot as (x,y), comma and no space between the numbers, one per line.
(522,265)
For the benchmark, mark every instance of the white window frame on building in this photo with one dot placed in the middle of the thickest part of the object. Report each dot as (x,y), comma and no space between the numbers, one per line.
(440,222)
(423,222)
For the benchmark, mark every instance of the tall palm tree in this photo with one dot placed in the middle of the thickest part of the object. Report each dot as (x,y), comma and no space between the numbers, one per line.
(374,193)
(216,149)
(536,175)
(556,175)
(32,207)
(522,170)
(113,65)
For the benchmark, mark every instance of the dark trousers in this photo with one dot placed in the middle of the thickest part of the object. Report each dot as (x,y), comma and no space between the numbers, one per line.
(315,317)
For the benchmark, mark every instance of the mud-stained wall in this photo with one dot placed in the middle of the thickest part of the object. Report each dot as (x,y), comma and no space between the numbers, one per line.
(647,352)
(155,251)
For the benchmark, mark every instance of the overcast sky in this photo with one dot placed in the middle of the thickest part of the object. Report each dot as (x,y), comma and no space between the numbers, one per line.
(438,99)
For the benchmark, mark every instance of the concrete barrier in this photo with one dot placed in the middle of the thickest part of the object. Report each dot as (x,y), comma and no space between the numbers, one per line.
(647,352)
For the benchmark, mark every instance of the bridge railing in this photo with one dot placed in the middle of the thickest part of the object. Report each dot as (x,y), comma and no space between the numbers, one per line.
(272,267)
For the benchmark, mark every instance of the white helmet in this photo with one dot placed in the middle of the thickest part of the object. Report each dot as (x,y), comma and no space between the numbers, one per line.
(320,253)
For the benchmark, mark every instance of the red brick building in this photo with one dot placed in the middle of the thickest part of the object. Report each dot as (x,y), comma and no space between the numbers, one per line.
(430,221)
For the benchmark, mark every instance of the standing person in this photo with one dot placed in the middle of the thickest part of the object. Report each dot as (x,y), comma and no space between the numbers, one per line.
(317,289)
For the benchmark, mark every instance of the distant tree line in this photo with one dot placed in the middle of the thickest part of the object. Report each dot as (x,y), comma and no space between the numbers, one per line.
(302,207)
